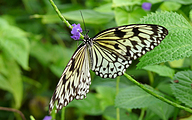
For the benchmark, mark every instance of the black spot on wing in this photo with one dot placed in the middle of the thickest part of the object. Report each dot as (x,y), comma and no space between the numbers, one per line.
(116,46)
(135,31)
(119,33)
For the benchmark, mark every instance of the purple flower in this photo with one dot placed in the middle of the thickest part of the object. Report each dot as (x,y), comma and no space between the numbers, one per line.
(146,6)
(76,30)
(47,118)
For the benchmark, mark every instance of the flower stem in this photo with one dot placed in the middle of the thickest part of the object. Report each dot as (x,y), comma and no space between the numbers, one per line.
(62,18)
(156,95)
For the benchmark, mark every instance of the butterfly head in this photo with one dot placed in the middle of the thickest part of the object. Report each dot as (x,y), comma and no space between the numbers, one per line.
(87,40)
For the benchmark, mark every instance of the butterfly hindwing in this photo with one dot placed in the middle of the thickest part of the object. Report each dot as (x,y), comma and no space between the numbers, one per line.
(75,80)
(115,48)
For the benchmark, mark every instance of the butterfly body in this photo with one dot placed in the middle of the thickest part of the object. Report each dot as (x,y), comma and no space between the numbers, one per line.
(108,54)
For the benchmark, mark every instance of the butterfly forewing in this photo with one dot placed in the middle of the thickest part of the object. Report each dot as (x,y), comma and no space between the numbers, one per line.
(115,48)
(75,80)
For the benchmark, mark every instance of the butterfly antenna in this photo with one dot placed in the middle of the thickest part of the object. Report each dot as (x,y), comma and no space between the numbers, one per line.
(84,23)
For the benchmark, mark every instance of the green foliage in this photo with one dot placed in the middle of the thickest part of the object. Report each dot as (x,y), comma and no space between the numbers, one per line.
(14,41)
(134,97)
(161,70)
(35,47)
(183,88)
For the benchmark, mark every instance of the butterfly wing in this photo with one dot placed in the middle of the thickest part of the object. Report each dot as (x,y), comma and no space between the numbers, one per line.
(75,80)
(115,48)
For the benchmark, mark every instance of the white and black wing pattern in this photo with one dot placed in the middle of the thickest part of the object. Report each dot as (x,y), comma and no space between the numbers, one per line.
(115,48)
(75,80)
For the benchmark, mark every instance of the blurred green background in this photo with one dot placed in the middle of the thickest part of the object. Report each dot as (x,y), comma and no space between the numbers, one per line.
(35,47)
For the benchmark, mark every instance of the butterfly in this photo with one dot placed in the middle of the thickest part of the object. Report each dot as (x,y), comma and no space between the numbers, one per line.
(108,54)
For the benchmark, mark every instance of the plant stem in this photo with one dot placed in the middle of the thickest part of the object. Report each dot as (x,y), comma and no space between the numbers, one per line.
(156,95)
(62,18)
(151,78)
(142,114)
(63,113)
(117,91)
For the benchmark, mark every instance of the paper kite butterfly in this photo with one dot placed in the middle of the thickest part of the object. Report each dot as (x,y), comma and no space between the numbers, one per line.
(108,54)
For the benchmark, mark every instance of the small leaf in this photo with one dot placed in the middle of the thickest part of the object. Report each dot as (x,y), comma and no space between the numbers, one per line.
(178,43)
(135,97)
(161,70)
(183,88)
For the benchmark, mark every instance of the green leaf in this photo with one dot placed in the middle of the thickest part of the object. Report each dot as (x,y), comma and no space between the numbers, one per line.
(90,16)
(178,43)
(60,59)
(170,6)
(106,94)
(163,110)
(89,105)
(162,70)
(41,52)
(176,63)
(135,97)
(120,3)
(98,81)
(183,88)
(185,2)
(5,84)
(12,81)
(13,40)
(110,114)
(124,17)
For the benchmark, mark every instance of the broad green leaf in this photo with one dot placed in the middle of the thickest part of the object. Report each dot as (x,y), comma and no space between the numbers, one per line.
(90,16)
(183,88)
(110,114)
(89,105)
(163,110)
(13,40)
(161,70)
(12,82)
(134,97)
(178,43)
(170,6)
(124,17)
